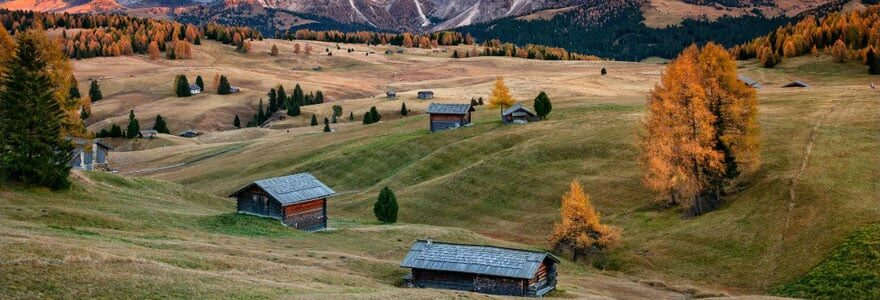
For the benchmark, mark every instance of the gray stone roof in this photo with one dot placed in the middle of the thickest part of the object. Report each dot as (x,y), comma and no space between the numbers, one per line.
(797,83)
(292,189)
(449,109)
(474,259)
(516,108)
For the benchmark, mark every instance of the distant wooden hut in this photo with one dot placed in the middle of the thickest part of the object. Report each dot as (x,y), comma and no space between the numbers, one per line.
(749,82)
(425,95)
(195,89)
(390,94)
(796,84)
(299,200)
(189,133)
(147,134)
(449,116)
(482,269)
(90,154)
(518,114)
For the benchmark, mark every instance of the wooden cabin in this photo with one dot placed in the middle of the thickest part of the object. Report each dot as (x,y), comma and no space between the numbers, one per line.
(147,134)
(482,269)
(90,154)
(298,201)
(189,133)
(391,94)
(518,114)
(425,95)
(449,116)
(796,84)
(749,82)
(195,89)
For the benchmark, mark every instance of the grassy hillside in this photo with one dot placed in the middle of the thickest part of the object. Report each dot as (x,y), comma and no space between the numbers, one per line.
(114,237)
(817,183)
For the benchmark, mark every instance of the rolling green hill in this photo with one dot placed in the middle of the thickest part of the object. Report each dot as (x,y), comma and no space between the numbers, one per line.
(817,183)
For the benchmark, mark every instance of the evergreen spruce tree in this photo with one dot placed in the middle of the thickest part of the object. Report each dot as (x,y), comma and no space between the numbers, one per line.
(542,105)
(368,118)
(293,110)
(319,97)
(95,92)
(326,121)
(351,116)
(337,111)
(298,96)
(327,128)
(181,86)
(236,122)
(334,120)
(83,113)
(133,126)
(273,100)
(873,62)
(374,114)
(224,88)
(385,207)
(403,111)
(314,121)
(32,149)
(200,82)
(282,97)
(604,72)
(74,90)
(104,133)
(160,126)
(115,131)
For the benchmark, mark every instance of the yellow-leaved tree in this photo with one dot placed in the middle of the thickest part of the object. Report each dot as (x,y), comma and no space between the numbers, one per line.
(580,232)
(500,97)
(701,130)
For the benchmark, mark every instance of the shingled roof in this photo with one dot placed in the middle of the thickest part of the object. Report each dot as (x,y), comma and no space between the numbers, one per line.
(291,189)
(475,259)
(449,109)
(518,108)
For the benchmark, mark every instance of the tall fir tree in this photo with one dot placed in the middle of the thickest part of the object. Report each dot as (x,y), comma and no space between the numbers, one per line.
(368,118)
(351,116)
(403,111)
(872,61)
(95,92)
(543,105)
(200,82)
(74,90)
(374,115)
(261,115)
(319,97)
(160,126)
(224,88)
(32,148)
(134,126)
(282,97)
(273,100)
(236,122)
(298,95)
(314,121)
(386,207)
(181,86)
(115,131)
(293,109)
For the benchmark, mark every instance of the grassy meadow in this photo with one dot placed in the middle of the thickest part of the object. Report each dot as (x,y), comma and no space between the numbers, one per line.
(487,183)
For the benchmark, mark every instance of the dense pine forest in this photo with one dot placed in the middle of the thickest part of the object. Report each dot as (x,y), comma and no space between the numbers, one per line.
(620,33)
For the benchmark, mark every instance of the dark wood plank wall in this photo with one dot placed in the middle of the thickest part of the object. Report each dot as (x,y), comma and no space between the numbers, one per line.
(309,215)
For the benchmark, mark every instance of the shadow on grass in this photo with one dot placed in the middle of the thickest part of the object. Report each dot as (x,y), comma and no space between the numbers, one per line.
(246,225)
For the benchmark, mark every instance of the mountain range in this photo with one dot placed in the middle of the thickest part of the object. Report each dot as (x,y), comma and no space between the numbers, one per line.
(432,15)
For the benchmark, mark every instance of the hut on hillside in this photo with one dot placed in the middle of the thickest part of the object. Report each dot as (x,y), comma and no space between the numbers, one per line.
(90,154)
(299,200)
(749,82)
(449,116)
(391,94)
(195,89)
(518,114)
(482,269)
(147,134)
(425,95)
(796,84)
(189,133)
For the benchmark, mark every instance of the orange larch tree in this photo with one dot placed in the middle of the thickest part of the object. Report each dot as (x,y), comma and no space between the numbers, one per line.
(580,232)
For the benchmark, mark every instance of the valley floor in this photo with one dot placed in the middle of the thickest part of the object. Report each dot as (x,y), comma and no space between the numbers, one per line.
(487,183)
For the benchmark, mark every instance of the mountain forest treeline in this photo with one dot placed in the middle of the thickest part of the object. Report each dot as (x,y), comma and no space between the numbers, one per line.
(92,35)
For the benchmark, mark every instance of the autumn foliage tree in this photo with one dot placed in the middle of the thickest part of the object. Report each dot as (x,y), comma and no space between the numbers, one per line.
(500,97)
(839,51)
(701,130)
(580,232)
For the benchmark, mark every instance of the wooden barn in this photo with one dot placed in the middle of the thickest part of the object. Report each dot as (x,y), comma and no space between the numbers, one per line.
(482,269)
(391,94)
(147,134)
(518,114)
(90,154)
(424,95)
(449,116)
(298,200)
